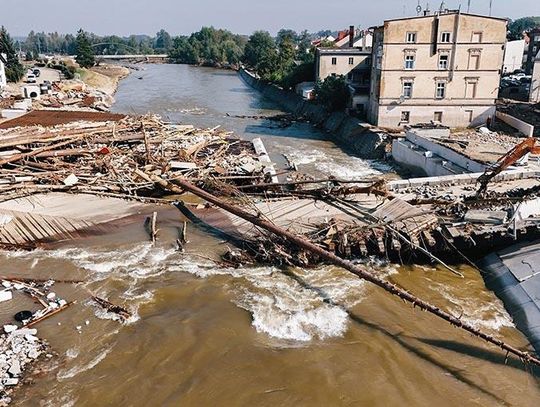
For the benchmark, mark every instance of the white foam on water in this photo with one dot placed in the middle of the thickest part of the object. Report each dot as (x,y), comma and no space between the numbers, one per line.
(354,168)
(299,307)
(72,353)
(74,371)
(306,157)
(474,311)
(345,167)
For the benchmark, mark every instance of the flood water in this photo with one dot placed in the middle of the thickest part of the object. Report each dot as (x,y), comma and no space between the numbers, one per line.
(257,336)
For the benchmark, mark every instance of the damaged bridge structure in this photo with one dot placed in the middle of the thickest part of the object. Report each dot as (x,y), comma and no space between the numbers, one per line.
(272,216)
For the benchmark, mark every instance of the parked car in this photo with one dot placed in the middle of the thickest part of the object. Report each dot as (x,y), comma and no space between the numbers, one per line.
(36,72)
(31,78)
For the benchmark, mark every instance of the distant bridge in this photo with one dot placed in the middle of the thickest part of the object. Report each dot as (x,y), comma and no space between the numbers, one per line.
(136,57)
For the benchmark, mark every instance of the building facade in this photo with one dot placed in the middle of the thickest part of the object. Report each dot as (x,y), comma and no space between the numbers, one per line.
(533,47)
(354,64)
(442,67)
(513,56)
(534,95)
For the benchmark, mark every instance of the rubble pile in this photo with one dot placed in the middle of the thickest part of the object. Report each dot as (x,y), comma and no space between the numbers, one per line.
(74,94)
(19,348)
(118,158)
(481,145)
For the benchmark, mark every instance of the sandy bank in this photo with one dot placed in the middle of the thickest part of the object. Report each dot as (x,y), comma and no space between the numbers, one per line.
(104,77)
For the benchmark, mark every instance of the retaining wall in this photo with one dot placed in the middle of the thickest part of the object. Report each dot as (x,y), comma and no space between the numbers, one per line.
(343,129)
(525,128)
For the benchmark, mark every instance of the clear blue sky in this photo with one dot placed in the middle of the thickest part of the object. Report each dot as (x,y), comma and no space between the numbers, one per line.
(124,17)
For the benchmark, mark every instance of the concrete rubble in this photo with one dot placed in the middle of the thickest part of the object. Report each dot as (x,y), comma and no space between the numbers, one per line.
(19,349)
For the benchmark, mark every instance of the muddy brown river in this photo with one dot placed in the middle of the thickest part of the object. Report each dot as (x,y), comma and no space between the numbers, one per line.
(257,336)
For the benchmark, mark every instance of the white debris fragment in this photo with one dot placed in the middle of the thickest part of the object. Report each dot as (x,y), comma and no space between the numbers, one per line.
(10,328)
(5,295)
(71,180)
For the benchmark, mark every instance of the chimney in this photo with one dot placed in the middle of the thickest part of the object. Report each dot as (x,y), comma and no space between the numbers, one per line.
(351,36)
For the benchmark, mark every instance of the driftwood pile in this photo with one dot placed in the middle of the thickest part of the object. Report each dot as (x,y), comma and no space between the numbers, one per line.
(115,158)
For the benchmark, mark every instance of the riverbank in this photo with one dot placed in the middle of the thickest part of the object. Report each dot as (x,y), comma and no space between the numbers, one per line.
(105,77)
(359,137)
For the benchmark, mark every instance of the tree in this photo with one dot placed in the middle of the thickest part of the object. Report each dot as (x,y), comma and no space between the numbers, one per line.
(208,47)
(286,34)
(163,41)
(85,54)
(327,44)
(518,27)
(333,92)
(14,69)
(259,46)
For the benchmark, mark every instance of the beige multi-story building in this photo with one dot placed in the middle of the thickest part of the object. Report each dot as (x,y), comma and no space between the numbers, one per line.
(442,67)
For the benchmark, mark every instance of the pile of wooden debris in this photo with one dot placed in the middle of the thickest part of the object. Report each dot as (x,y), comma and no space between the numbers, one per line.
(116,158)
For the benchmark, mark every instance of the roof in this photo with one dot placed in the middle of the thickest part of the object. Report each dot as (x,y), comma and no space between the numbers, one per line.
(343,51)
(449,12)
(47,118)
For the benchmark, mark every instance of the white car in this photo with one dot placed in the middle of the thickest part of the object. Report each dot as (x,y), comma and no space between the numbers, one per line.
(31,78)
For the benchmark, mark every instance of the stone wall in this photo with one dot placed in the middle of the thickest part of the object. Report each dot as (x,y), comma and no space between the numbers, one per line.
(349,132)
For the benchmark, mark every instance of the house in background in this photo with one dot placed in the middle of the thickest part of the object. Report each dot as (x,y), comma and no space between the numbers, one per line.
(531,51)
(3,79)
(354,64)
(443,67)
(513,56)
(534,95)
(354,38)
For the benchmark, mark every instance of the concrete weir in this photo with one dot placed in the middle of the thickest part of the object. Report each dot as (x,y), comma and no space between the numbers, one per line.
(514,275)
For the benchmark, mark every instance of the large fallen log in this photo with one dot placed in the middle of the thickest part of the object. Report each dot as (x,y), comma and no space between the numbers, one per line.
(183,185)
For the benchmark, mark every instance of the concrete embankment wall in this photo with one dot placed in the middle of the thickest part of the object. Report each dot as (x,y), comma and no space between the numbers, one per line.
(525,128)
(345,130)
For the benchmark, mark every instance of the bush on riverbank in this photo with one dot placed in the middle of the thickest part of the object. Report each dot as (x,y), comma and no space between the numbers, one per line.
(333,93)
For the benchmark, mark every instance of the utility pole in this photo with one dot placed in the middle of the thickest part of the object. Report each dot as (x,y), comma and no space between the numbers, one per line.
(468,6)
(490,6)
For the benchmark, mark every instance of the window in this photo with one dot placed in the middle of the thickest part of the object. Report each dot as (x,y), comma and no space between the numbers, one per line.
(474,62)
(409,61)
(351,61)
(443,61)
(476,36)
(440,92)
(405,117)
(437,117)
(411,37)
(470,90)
(334,61)
(407,89)
(445,37)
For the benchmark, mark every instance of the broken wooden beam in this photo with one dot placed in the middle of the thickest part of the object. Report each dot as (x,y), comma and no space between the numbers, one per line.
(303,243)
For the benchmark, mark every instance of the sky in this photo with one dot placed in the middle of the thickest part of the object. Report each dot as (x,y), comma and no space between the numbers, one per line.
(124,17)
